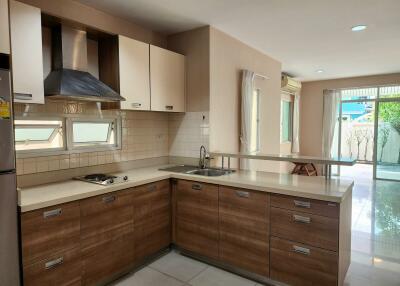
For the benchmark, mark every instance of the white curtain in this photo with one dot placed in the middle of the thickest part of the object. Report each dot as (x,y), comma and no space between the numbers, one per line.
(330,120)
(296,120)
(246,115)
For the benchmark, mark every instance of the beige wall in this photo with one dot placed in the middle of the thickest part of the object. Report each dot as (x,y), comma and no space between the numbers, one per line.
(311,107)
(74,11)
(195,45)
(228,57)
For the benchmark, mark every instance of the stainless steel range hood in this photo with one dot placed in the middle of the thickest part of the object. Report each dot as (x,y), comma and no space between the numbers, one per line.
(69,78)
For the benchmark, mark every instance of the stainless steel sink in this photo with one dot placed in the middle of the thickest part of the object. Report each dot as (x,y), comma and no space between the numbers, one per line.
(210,172)
(193,170)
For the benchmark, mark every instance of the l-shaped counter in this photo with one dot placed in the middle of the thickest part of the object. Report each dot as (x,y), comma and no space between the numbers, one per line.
(265,226)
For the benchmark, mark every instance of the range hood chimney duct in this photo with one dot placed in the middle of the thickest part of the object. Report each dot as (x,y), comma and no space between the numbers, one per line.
(69,78)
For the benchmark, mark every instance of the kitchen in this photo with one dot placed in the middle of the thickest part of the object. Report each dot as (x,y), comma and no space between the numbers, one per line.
(122,146)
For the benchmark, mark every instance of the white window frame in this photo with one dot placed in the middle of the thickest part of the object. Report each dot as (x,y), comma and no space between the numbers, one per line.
(287,98)
(116,126)
(68,146)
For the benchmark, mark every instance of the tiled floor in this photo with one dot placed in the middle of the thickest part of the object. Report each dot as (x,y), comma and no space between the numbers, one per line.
(375,247)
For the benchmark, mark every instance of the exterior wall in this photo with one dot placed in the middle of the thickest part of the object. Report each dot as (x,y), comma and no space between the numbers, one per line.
(311,106)
(74,11)
(228,57)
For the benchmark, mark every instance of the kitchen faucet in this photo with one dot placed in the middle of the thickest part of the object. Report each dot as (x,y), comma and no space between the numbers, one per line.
(204,157)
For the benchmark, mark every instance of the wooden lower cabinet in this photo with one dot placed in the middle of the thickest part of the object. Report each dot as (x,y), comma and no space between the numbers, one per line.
(197,218)
(152,216)
(107,237)
(244,229)
(63,269)
(302,265)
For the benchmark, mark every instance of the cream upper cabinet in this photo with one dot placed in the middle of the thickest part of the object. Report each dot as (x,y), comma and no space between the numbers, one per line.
(134,72)
(4,28)
(167,80)
(26,51)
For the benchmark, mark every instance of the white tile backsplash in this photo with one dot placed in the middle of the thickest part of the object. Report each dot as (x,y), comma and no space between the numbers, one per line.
(144,135)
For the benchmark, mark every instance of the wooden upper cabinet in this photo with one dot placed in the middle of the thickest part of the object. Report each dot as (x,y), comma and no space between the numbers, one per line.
(26,51)
(4,28)
(167,80)
(134,69)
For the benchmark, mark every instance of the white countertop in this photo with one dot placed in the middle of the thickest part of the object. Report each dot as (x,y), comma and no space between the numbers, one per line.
(334,190)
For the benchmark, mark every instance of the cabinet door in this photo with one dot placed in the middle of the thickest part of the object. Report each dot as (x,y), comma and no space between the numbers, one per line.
(27,58)
(48,231)
(106,236)
(152,209)
(134,69)
(4,28)
(244,229)
(197,218)
(167,80)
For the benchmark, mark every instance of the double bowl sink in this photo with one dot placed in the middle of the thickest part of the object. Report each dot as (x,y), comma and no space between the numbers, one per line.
(194,170)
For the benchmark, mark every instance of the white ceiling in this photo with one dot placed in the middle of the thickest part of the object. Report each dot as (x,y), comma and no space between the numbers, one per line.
(305,35)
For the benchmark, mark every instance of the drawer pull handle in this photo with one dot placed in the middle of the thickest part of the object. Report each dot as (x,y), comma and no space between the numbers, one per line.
(52,213)
(242,194)
(196,187)
(302,204)
(136,104)
(301,250)
(169,107)
(54,263)
(108,199)
(301,219)
(152,188)
(23,96)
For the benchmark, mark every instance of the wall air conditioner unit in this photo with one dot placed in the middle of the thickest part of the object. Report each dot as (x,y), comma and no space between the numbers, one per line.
(289,84)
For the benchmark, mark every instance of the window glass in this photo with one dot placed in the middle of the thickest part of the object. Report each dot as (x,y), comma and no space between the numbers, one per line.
(85,132)
(359,93)
(255,122)
(38,134)
(286,121)
(389,91)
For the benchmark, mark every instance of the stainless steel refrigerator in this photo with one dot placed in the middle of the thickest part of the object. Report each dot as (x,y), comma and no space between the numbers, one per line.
(9,226)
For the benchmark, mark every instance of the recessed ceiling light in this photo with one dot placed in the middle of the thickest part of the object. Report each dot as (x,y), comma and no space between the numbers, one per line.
(359,28)
(319,71)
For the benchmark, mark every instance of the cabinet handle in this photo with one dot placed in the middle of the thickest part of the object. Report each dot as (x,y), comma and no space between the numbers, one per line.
(302,219)
(52,213)
(242,194)
(301,250)
(108,199)
(152,188)
(136,104)
(196,187)
(23,96)
(169,107)
(302,204)
(54,263)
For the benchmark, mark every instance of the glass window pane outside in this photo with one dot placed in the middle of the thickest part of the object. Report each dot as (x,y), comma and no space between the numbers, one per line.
(255,126)
(91,132)
(38,134)
(286,121)
(389,91)
(359,93)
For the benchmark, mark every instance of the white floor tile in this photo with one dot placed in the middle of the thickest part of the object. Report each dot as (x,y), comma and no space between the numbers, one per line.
(148,277)
(215,277)
(178,266)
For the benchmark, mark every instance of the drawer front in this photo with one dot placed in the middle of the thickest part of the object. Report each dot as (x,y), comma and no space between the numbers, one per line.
(306,228)
(50,230)
(301,265)
(200,193)
(322,208)
(198,239)
(244,229)
(106,217)
(107,260)
(62,269)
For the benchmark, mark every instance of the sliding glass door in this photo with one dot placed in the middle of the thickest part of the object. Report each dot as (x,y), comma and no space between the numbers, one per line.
(387,161)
